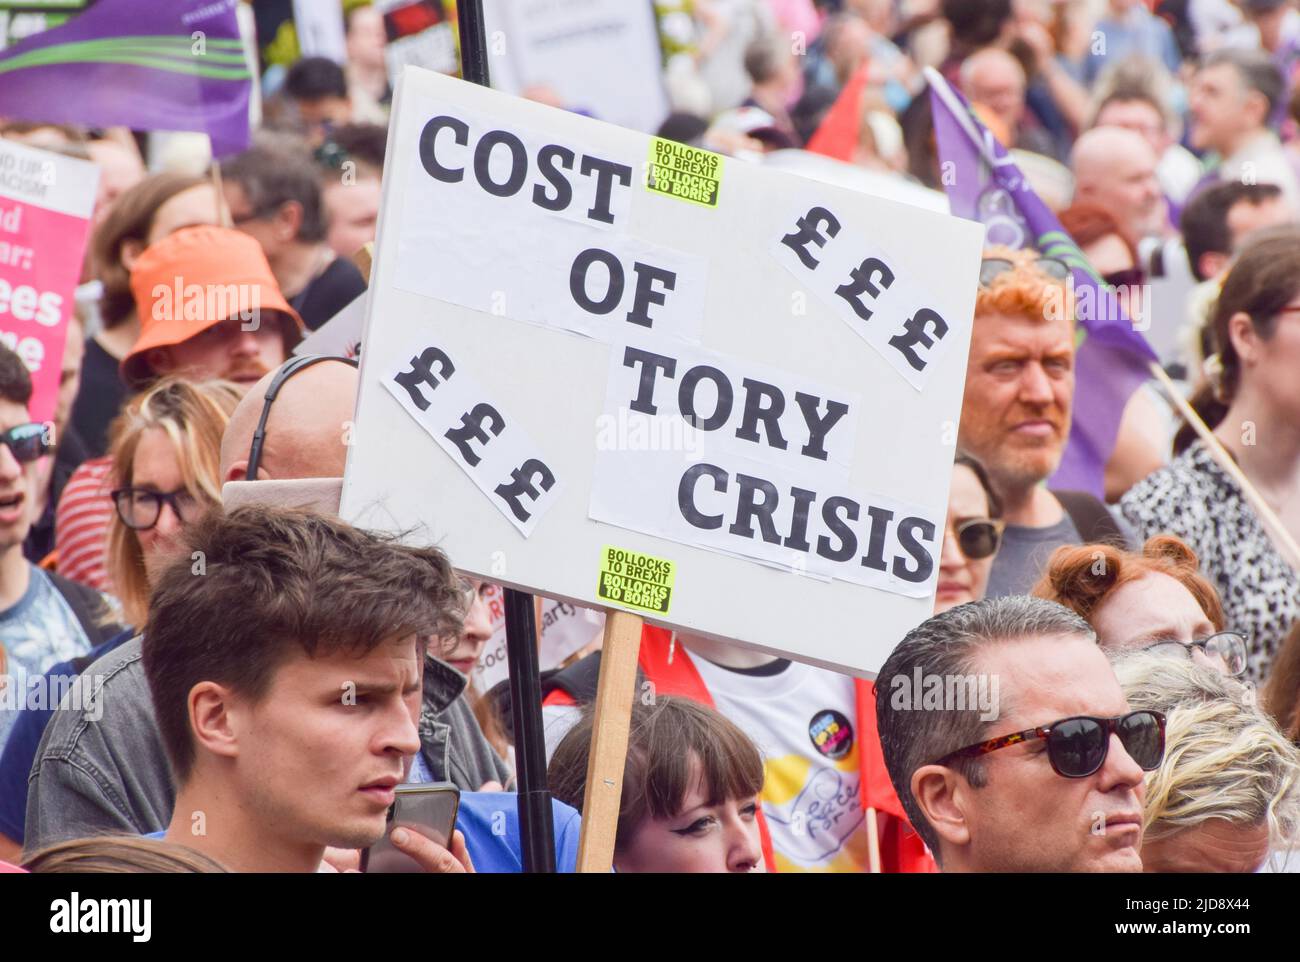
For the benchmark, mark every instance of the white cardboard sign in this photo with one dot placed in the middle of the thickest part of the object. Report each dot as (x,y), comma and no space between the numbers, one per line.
(717,395)
(599,56)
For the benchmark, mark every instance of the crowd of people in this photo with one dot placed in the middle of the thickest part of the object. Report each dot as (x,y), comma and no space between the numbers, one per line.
(205,669)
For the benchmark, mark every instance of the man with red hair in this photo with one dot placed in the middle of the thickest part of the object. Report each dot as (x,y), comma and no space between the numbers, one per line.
(1016,414)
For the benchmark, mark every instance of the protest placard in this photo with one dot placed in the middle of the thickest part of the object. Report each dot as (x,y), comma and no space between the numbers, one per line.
(420,33)
(341,334)
(320,29)
(46,201)
(633,375)
(598,56)
(564,628)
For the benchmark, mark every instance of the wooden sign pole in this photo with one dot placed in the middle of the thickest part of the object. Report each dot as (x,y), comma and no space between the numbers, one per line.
(616,687)
(1282,538)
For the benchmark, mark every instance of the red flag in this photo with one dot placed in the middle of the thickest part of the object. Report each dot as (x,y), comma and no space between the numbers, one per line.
(837,135)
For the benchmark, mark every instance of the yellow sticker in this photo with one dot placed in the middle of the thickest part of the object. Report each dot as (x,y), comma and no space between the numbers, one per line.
(688,173)
(633,580)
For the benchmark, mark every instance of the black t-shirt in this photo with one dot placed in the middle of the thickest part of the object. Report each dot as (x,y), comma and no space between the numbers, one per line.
(99,399)
(329,292)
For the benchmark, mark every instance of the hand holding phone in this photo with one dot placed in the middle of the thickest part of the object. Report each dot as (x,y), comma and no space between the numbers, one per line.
(433,858)
(426,815)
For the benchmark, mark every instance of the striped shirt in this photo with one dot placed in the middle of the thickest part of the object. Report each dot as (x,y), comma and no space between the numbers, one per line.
(81,523)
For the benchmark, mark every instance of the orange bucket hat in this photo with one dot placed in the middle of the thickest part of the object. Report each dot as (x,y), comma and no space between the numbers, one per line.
(194,279)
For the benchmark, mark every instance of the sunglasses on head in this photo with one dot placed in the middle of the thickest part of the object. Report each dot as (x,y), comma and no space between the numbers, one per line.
(1077,747)
(978,538)
(27,442)
(994,267)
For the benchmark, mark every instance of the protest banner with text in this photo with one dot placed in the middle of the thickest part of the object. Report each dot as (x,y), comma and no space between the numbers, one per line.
(634,375)
(46,201)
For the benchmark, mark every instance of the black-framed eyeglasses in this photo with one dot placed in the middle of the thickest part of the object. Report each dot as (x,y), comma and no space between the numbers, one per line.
(978,538)
(27,442)
(992,268)
(1077,746)
(140,508)
(1225,649)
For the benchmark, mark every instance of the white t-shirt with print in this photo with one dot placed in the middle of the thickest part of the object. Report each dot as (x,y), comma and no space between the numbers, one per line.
(811,795)
(804,722)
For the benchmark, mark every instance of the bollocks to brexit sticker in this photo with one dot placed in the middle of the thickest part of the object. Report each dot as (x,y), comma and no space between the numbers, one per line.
(688,173)
(633,580)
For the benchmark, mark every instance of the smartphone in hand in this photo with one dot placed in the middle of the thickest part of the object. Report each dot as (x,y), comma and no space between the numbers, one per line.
(429,809)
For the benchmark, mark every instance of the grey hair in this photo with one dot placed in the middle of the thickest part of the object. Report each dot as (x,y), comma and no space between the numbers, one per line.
(947,645)
(1256,70)
(1224,756)
(763,57)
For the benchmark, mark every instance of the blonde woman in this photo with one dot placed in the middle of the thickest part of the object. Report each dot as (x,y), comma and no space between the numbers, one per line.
(1228,792)
(165,449)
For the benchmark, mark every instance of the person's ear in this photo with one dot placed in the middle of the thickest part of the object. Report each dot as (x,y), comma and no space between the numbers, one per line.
(237,471)
(130,252)
(288,220)
(1255,104)
(941,793)
(212,719)
(1245,339)
(159,360)
(1211,264)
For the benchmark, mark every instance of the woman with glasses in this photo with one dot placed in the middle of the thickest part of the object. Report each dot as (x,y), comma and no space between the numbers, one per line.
(166,448)
(1156,600)
(1252,401)
(971,538)
(1228,791)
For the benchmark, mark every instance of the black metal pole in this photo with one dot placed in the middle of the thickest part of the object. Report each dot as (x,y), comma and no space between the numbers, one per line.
(473,42)
(536,831)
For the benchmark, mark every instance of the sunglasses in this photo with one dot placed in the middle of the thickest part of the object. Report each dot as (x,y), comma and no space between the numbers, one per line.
(331,155)
(1227,649)
(27,442)
(1130,278)
(140,508)
(1077,747)
(978,538)
(992,268)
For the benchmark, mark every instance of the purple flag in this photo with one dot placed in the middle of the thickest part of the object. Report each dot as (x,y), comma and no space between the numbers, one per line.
(143,64)
(1111,358)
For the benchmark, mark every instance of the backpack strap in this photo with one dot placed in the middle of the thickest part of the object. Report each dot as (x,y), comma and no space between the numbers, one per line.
(1092,518)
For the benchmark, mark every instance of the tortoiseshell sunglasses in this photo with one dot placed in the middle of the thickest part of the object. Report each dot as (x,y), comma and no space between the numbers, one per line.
(1077,746)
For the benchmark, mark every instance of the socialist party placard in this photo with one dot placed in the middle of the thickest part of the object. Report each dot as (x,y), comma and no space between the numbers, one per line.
(630,374)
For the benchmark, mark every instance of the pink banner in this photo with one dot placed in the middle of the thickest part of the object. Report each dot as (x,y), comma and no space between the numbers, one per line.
(46,202)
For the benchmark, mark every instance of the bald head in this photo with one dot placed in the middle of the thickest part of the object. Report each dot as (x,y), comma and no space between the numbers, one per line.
(1103,150)
(306,433)
(995,79)
(1116,168)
